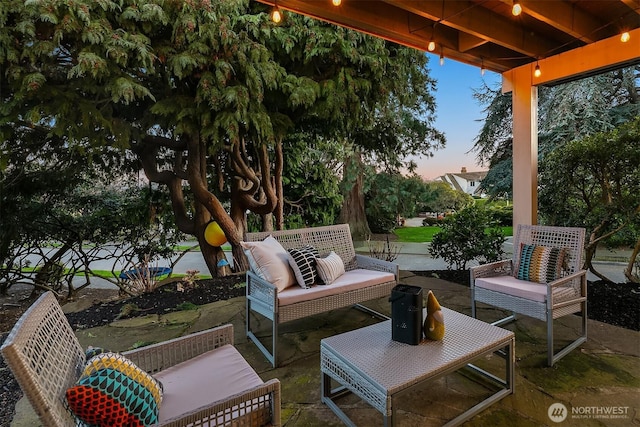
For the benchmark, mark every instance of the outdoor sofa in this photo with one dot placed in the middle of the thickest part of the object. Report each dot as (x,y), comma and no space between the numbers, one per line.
(365,278)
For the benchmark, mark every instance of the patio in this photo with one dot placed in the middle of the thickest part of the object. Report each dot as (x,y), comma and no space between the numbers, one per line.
(597,383)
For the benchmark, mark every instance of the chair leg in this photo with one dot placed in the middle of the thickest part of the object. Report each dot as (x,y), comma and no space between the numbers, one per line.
(553,358)
(550,356)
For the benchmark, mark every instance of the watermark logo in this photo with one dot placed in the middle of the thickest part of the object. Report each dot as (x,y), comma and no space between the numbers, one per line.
(557,412)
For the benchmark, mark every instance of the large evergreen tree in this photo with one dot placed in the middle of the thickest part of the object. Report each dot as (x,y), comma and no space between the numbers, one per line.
(204,92)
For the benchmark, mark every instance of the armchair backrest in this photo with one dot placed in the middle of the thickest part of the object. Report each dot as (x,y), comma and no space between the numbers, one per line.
(46,358)
(571,238)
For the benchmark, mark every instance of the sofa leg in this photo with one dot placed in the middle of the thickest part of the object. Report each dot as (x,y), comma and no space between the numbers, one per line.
(270,355)
(506,320)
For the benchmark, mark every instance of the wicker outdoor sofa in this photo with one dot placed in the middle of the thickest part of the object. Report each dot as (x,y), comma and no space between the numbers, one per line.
(365,278)
(204,380)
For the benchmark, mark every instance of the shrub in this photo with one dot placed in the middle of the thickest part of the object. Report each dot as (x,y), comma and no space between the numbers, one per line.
(468,235)
(502,215)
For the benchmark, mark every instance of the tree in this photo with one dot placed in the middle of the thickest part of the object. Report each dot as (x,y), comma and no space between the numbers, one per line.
(361,105)
(181,84)
(58,217)
(594,181)
(194,91)
(391,196)
(440,198)
(565,112)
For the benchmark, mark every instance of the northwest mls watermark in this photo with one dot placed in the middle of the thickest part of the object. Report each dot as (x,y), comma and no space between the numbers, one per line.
(558,412)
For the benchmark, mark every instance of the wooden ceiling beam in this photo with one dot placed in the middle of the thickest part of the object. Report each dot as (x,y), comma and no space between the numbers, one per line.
(467,42)
(633,5)
(566,17)
(473,19)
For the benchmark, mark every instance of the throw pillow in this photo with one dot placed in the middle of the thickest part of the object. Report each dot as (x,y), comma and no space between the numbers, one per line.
(269,260)
(541,264)
(330,268)
(112,391)
(303,263)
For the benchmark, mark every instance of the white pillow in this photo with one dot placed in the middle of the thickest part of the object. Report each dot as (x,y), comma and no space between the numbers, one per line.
(269,260)
(330,268)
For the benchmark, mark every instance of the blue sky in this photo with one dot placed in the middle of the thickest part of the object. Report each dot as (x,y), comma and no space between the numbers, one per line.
(457,115)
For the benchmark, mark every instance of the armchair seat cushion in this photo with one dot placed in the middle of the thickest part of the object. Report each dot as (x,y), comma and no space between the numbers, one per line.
(515,287)
(213,376)
(524,289)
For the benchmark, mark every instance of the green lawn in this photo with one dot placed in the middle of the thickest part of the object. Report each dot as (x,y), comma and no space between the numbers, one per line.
(425,234)
(416,234)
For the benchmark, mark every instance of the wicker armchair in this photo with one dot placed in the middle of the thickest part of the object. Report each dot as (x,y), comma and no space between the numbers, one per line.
(495,284)
(47,359)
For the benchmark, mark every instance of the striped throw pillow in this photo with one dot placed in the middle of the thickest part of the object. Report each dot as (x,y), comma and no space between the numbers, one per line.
(303,264)
(330,268)
(541,264)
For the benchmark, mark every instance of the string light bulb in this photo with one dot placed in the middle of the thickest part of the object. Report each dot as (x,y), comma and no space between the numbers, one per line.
(482,70)
(336,2)
(624,37)
(441,59)
(431,46)
(276,15)
(536,71)
(516,9)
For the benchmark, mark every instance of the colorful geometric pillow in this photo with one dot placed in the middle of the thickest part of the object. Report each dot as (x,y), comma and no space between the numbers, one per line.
(330,268)
(114,392)
(92,352)
(303,263)
(541,264)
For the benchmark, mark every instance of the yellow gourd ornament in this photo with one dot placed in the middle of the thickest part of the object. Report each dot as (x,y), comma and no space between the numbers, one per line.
(214,235)
(434,323)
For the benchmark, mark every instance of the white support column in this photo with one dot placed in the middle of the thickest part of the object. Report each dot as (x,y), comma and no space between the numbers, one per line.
(525,144)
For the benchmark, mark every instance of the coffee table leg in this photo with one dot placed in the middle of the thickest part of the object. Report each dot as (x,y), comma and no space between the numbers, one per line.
(507,383)
(328,394)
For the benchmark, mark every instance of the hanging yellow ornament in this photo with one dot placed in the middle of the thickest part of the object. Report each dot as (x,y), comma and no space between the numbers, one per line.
(214,235)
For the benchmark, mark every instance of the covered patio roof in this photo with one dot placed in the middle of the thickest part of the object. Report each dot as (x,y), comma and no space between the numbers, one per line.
(484,33)
(565,39)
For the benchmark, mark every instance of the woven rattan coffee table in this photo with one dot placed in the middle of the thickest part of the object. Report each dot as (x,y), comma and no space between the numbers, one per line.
(368,363)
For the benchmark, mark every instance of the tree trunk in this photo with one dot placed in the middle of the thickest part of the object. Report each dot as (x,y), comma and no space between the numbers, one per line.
(352,211)
(628,272)
(277,174)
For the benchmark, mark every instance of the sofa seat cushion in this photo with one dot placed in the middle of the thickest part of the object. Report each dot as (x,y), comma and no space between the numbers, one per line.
(210,377)
(524,289)
(349,281)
